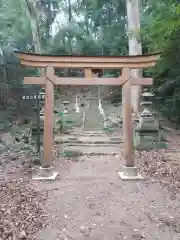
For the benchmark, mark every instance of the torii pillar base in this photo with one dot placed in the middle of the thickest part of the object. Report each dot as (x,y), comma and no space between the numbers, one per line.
(46,174)
(130,173)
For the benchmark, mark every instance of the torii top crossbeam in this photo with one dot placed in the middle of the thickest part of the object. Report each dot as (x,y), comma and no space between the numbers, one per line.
(104,62)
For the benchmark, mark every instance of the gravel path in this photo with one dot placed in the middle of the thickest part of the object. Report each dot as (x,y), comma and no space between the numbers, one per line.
(89,201)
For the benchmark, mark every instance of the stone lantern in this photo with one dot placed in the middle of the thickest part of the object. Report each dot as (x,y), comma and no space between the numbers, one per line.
(147,131)
(147,120)
(66,106)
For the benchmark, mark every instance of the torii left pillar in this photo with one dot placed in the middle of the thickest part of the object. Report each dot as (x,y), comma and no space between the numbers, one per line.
(46,171)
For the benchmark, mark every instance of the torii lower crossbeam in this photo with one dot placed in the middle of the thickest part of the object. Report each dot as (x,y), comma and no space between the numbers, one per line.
(91,81)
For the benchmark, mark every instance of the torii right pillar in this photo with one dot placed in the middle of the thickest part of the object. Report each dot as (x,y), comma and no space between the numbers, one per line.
(130,171)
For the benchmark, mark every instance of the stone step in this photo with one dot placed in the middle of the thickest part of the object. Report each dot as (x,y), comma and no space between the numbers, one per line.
(91,125)
(90,150)
(78,142)
(89,134)
(88,128)
(91,144)
(95,133)
(87,139)
(75,142)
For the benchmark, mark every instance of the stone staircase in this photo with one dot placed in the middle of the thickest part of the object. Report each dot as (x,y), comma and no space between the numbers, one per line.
(88,143)
(90,139)
(93,120)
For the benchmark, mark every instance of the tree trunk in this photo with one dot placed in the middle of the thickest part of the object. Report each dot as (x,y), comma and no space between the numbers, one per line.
(69,37)
(70,21)
(48,20)
(32,12)
(135,47)
(33,17)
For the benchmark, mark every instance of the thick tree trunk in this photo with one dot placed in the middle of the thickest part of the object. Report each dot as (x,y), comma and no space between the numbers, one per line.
(33,17)
(135,47)
(32,12)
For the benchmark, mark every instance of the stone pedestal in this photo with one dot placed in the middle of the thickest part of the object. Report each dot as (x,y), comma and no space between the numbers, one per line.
(45,174)
(146,138)
(130,173)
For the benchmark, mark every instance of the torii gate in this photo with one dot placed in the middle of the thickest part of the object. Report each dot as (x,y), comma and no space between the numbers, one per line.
(126,63)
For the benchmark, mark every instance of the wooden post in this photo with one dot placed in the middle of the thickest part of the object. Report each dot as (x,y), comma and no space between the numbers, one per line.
(46,170)
(130,171)
(127,119)
(48,120)
(88,73)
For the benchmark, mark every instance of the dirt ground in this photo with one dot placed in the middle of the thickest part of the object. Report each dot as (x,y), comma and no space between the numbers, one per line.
(89,201)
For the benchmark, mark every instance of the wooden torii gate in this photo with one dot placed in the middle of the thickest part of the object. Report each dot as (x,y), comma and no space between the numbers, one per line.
(126,63)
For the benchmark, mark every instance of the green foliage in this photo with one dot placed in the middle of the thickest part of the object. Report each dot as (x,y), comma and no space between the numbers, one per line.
(117,98)
(161,32)
(91,27)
